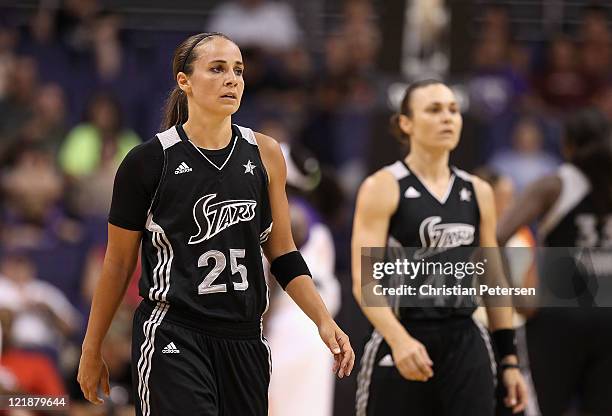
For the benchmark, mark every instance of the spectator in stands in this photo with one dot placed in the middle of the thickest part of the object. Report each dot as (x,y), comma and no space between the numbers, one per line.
(595,46)
(110,64)
(25,372)
(526,161)
(41,42)
(42,316)
(561,86)
(249,23)
(359,34)
(495,88)
(92,152)
(338,126)
(8,40)
(47,127)
(16,107)
(74,22)
(32,218)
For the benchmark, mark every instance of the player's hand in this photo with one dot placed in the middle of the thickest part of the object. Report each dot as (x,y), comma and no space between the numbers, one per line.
(338,343)
(93,373)
(516,389)
(411,359)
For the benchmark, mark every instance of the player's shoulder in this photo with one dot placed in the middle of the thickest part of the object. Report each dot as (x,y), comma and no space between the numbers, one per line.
(547,189)
(270,152)
(147,152)
(481,187)
(383,180)
(380,191)
(268,144)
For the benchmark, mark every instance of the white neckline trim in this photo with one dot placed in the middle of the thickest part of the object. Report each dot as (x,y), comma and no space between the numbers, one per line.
(210,161)
(451,182)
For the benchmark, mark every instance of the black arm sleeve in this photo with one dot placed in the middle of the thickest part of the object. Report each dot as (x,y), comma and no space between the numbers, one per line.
(135,184)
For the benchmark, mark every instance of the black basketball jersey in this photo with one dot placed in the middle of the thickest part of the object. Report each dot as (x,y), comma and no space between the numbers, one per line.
(572,221)
(201,247)
(430,225)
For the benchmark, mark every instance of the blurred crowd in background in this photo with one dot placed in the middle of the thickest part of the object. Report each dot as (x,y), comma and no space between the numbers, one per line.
(78,90)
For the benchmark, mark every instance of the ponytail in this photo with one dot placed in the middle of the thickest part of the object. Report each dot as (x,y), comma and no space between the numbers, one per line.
(175,109)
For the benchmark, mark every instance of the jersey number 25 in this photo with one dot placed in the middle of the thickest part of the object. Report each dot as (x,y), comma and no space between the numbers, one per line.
(207,287)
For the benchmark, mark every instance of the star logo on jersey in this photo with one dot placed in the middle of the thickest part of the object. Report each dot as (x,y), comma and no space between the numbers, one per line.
(437,237)
(248,168)
(211,219)
(465,195)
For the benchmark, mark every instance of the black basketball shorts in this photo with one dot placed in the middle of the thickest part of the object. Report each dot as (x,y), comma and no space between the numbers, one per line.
(463,382)
(570,354)
(182,366)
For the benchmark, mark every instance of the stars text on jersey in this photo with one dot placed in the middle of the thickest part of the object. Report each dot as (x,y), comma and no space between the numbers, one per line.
(211,219)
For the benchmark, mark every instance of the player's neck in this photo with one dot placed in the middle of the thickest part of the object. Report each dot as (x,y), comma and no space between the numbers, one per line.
(209,133)
(428,165)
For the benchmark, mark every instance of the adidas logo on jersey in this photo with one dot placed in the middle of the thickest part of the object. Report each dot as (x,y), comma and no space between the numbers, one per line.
(412,193)
(170,349)
(386,361)
(182,168)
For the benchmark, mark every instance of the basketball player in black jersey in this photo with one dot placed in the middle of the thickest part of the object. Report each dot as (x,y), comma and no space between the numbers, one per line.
(570,349)
(202,199)
(430,361)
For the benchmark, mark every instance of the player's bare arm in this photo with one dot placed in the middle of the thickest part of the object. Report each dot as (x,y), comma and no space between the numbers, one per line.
(529,206)
(301,289)
(119,263)
(377,200)
(500,318)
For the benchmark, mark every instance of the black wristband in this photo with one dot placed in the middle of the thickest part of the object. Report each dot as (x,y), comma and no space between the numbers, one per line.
(504,367)
(287,267)
(505,342)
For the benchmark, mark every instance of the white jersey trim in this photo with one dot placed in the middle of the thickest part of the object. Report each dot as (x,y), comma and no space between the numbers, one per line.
(398,170)
(169,137)
(574,187)
(247,134)
(462,174)
(210,161)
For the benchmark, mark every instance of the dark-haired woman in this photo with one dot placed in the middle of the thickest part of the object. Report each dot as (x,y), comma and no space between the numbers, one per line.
(429,360)
(570,349)
(202,198)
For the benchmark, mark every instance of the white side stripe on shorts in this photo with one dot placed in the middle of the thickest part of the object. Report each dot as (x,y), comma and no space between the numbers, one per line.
(365,373)
(146,354)
(484,333)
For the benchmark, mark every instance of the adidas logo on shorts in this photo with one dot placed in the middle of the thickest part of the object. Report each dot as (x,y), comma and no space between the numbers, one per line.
(182,168)
(170,349)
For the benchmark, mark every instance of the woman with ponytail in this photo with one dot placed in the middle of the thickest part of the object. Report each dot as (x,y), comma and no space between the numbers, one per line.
(201,201)
(570,349)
